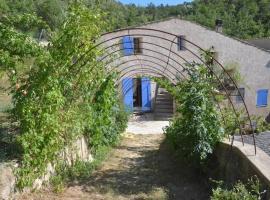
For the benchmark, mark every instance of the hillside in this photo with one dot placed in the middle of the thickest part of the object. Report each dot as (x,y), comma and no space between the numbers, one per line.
(242,18)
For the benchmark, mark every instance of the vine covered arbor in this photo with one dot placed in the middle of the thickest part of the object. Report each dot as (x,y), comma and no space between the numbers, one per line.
(69,88)
(147,52)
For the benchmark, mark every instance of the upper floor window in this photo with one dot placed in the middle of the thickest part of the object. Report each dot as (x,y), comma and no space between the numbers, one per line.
(181,43)
(240,93)
(128,45)
(137,45)
(212,58)
(262,98)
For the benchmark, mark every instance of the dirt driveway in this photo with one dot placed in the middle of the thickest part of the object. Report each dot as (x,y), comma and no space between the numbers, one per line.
(142,167)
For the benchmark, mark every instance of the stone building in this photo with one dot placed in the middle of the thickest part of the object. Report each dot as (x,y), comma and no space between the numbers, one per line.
(147,52)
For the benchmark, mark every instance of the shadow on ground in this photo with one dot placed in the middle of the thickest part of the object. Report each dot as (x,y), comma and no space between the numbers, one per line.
(146,171)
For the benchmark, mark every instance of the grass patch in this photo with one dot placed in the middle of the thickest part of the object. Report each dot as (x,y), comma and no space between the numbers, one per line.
(80,171)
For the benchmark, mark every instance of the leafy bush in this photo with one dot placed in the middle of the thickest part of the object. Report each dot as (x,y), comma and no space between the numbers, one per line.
(109,117)
(196,129)
(66,93)
(261,124)
(251,191)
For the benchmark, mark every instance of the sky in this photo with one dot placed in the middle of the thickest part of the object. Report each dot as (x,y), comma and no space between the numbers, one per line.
(156,2)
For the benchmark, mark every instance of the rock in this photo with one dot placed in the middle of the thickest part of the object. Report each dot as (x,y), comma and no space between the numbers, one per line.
(7,181)
(78,151)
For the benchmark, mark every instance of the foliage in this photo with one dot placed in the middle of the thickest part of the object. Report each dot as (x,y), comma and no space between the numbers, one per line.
(261,124)
(16,47)
(231,120)
(251,191)
(250,18)
(197,128)
(65,94)
(106,113)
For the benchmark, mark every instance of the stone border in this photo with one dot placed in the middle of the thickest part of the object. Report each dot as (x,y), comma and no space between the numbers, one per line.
(260,162)
(77,151)
(238,162)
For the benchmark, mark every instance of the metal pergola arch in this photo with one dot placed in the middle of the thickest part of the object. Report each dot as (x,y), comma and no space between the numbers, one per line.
(218,64)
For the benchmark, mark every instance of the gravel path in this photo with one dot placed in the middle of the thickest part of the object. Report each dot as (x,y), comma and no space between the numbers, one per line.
(146,127)
(141,168)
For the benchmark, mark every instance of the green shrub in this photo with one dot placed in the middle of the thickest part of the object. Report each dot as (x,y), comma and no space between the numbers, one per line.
(65,94)
(251,191)
(261,124)
(196,129)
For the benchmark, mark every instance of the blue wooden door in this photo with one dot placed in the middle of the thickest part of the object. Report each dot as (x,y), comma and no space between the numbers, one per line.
(127,89)
(128,45)
(146,94)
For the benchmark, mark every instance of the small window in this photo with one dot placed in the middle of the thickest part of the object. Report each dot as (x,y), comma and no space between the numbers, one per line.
(128,46)
(212,58)
(181,44)
(137,45)
(240,93)
(262,98)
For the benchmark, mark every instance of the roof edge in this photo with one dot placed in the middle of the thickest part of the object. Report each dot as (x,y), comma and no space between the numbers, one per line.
(196,23)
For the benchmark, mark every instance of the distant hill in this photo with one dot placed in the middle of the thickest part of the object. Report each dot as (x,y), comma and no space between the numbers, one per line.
(242,18)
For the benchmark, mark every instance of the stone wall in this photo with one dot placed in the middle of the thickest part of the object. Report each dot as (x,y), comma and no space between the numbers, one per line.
(7,180)
(78,151)
(240,163)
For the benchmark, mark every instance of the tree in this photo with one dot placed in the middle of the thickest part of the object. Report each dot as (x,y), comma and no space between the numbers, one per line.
(51,11)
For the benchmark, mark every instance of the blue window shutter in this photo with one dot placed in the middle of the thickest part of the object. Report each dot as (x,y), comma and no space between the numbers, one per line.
(146,94)
(262,97)
(128,45)
(127,89)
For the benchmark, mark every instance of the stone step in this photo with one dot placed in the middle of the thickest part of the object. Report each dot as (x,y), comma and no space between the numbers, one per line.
(168,115)
(163,118)
(164,94)
(164,98)
(158,102)
(164,107)
(163,110)
(164,114)
(162,90)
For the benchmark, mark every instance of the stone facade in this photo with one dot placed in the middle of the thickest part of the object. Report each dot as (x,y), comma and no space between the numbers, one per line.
(252,62)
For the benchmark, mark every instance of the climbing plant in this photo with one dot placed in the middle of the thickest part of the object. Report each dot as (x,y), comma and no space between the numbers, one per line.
(196,128)
(240,191)
(66,93)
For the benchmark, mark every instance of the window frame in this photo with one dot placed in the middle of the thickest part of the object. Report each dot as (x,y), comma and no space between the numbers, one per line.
(137,43)
(181,44)
(238,98)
